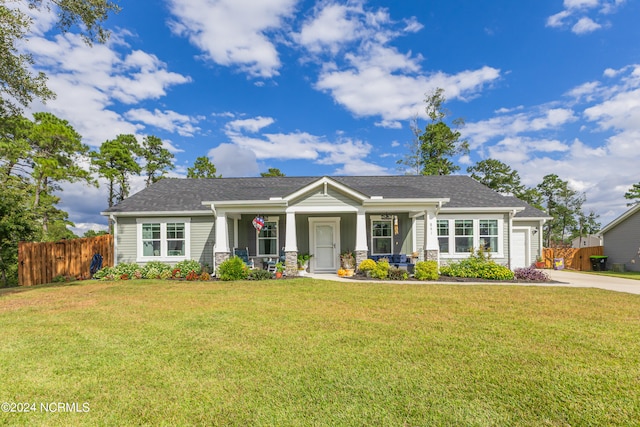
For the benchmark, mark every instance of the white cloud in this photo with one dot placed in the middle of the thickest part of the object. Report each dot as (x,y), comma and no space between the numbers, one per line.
(232,160)
(167,120)
(234,33)
(585,25)
(329,29)
(575,15)
(250,125)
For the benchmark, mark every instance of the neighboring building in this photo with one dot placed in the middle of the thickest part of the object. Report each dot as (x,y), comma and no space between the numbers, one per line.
(204,219)
(621,240)
(586,241)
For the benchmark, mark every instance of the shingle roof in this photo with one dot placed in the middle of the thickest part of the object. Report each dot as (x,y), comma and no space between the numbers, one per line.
(176,194)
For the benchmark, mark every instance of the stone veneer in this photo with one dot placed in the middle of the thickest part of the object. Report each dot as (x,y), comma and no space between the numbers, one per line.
(291,263)
(221,257)
(431,255)
(360,256)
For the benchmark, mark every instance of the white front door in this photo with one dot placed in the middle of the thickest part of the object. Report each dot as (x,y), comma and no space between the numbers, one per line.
(520,248)
(324,244)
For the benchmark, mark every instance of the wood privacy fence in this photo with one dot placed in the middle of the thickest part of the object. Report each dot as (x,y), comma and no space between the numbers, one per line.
(40,262)
(576,259)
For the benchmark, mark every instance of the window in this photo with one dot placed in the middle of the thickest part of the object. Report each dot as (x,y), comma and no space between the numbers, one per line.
(268,239)
(175,239)
(151,239)
(489,234)
(163,239)
(464,235)
(381,237)
(443,235)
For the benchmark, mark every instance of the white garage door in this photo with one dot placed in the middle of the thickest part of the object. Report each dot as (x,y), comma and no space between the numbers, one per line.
(520,247)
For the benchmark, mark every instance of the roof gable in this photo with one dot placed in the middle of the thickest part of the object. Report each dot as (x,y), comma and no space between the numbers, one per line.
(632,211)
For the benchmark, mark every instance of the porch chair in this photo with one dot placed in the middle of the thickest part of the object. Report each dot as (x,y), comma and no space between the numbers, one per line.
(243,254)
(271,263)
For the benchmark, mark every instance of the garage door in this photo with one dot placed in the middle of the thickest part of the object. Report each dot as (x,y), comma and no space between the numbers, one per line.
(520,247)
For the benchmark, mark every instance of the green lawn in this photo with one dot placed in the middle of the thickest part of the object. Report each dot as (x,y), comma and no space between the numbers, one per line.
(317,353)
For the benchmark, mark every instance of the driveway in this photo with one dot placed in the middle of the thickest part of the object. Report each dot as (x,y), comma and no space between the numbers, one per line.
(582,280)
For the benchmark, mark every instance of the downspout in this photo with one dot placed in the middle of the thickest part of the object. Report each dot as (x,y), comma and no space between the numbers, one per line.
(510,231)
(114,221)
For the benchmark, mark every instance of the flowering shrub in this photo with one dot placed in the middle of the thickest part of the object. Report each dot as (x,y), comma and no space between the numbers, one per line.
(187,266)
(192,275)
(366,265)
(154,269)
(381,270)
(426,270)
(531,274)
(479,266)
(396,273)
(233,269)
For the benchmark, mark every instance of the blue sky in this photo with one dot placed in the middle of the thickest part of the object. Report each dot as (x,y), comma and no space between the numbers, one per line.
(330,87)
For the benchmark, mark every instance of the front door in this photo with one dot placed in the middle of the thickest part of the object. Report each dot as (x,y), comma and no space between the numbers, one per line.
(325,244)
(520,247)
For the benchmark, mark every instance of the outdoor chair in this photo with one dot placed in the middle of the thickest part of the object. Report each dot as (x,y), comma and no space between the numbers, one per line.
(243,254)
(271,263)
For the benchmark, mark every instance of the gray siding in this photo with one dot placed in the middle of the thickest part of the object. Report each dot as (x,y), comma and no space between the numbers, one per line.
(126,243)
(333,198)
(622,243)
(202,239)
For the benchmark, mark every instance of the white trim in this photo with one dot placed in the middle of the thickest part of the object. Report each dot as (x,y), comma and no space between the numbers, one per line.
(275,219)
(373,218)
(156,213)
(476,234)
(486,210)
(163,239)
(115,239)
(321,209)
(527,245)
(323,182)
(620,219)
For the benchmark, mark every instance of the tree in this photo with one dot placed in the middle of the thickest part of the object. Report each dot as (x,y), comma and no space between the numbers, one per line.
(271,172)
(438,143)
(17,223)
(564,205)
(202,168)
(158,159)
(588,224)
(18,84)
(497,176)
(633,194)
(115,161)
(56,154)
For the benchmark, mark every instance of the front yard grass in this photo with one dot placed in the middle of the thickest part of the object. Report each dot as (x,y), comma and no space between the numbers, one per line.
(622,274)
(307,352)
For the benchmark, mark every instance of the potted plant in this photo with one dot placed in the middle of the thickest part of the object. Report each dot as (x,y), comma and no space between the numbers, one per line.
(348,263)
(279,270)
(303,263)
(539,262)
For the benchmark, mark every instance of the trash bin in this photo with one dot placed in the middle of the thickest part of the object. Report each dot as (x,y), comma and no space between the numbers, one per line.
(598,262)
(558,263)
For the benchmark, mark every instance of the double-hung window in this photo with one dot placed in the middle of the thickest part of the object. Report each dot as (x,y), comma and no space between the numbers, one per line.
(268,239)
(489,234)
(381,237)
(163,239)
(443,235)
(464,235)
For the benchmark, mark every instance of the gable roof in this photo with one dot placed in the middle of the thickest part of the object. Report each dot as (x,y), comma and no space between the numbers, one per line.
(187,195)
(620,219)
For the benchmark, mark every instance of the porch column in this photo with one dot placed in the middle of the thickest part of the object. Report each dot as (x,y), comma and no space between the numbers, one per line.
(291,245)
(431,247)
(362,249)
(222,238)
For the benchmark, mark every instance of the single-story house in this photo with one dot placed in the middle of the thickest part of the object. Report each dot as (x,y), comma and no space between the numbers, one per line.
(426,217)
(621,240)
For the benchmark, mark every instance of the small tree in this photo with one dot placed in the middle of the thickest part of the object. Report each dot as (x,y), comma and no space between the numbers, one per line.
(158,159)
(633,194)
(202,168)
(271,172)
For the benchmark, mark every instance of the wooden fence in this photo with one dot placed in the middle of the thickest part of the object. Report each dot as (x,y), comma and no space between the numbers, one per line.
(576,259)
(40,262)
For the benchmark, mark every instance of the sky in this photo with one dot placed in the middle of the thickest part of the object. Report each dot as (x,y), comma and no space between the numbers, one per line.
(330,87)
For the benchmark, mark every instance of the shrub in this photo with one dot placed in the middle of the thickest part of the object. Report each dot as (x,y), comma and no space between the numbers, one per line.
(426,270)
(153,269)
(396,273)
(166,274)
(478,265)
(105,273)
(192,275)
(232,269)
(187,266)
(531,274)
(381,270)
(257,274)
(205,276)
(128,269)
(366,265)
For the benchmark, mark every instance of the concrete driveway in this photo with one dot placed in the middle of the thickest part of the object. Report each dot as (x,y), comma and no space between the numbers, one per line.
(582,280)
